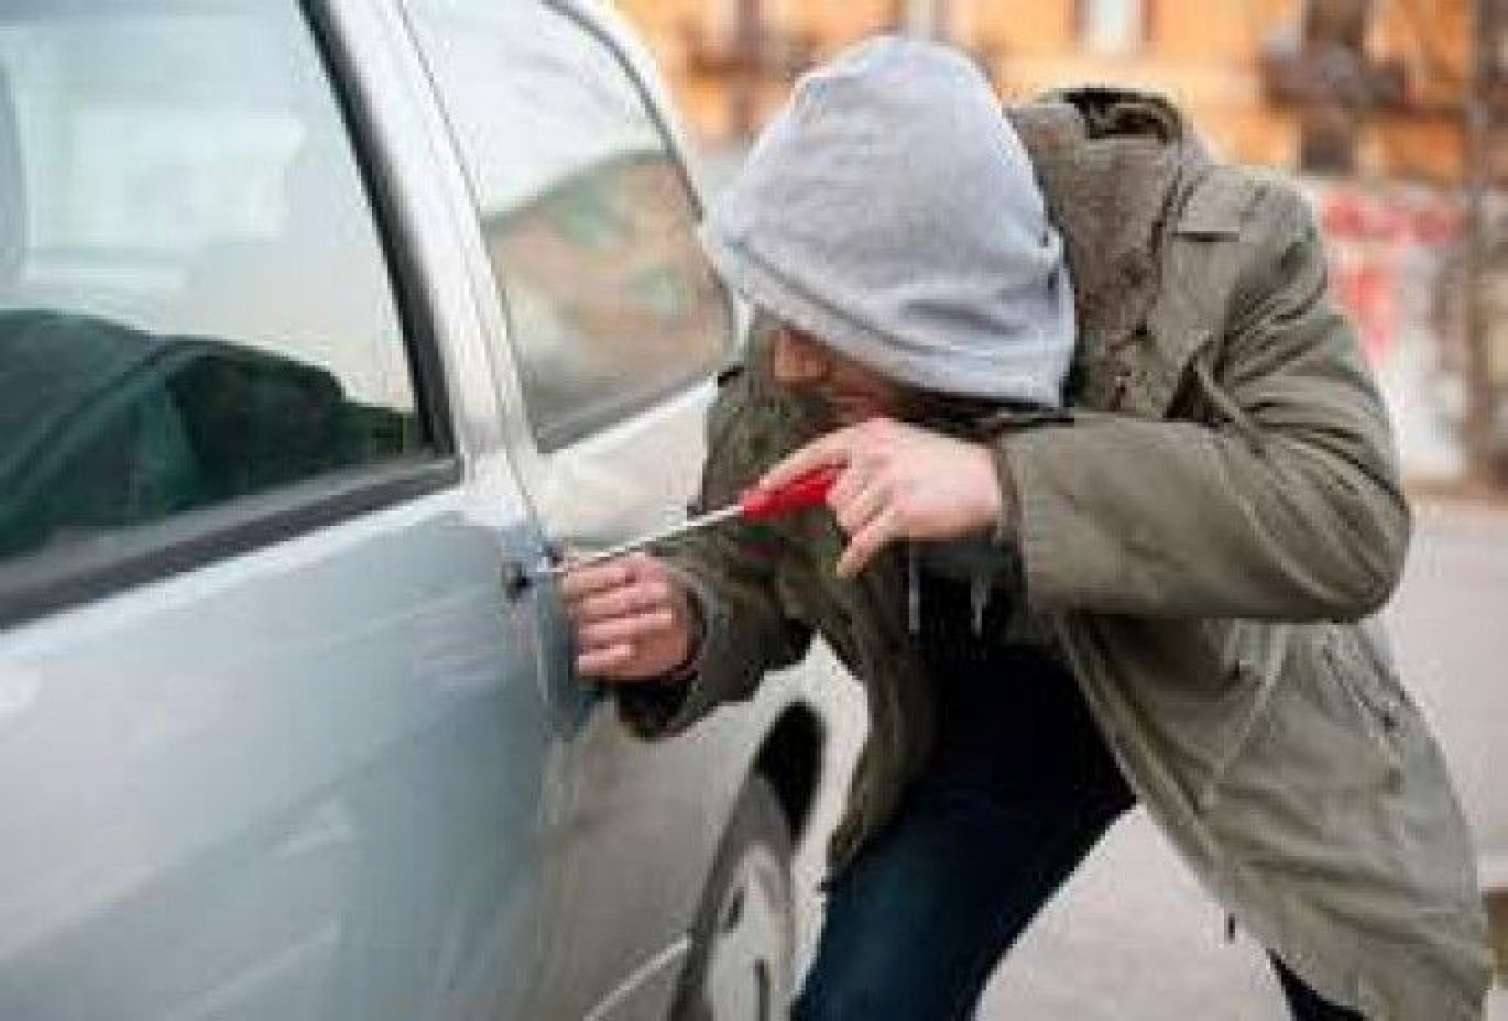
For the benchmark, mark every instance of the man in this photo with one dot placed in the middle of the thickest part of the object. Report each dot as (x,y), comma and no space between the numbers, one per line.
(1117,497)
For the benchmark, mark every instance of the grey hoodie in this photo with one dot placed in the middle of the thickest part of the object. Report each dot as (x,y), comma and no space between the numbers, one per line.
(890,210)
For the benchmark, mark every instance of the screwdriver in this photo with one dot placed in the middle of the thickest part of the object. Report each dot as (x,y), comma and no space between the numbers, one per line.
(754,504)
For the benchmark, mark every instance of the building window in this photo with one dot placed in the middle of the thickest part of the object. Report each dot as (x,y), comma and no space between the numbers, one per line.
(1113,26)
(927,19)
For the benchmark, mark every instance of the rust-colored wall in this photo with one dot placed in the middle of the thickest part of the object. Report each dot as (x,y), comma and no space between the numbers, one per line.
(1204,54)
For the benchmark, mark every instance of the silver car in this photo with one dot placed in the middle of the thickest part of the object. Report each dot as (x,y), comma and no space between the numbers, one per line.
(320,323)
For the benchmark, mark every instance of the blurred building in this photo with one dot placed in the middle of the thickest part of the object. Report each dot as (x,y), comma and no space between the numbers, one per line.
(1372,87)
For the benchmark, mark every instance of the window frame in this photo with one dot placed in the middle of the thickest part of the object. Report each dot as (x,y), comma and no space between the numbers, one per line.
(568,11)
(1145,26)
(507,346)
(34,585)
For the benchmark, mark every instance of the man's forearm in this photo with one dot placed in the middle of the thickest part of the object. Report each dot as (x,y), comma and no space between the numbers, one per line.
(1178,519)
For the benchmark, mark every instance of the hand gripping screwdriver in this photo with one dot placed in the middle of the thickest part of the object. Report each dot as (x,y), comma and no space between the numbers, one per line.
(754,504)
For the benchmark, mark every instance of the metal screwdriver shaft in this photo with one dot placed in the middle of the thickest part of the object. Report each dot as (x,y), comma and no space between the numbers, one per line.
(691,525)
(754,504)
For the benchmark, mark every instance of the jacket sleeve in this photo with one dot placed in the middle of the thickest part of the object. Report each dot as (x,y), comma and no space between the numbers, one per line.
(1284,504)
(731,573)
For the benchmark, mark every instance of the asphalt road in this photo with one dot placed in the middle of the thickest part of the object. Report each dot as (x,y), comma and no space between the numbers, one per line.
(1131,937)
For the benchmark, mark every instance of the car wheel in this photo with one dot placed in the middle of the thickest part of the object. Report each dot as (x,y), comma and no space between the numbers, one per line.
(743,938)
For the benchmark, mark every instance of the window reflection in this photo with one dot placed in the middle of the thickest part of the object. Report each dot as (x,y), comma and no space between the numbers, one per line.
(610,301)
(194,305)
(589,224)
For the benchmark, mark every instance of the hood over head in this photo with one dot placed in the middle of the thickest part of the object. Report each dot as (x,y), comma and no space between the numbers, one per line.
(891,210)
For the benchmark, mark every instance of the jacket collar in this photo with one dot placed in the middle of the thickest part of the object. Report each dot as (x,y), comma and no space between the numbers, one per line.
(1111,163)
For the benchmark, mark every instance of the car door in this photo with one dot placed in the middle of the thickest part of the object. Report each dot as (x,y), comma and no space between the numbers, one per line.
(607,328)
(273,742)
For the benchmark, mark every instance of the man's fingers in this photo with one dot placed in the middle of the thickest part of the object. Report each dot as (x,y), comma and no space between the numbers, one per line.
(868,541)
(832,449)
(850,481)
(621,630)
(854,512)
(620,601)
(626,569)
(578,583)
(604,662)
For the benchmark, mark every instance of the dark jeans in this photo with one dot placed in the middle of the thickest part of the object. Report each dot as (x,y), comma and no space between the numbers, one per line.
(1020,788)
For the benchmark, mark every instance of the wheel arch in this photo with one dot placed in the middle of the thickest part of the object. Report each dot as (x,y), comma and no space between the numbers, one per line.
(790,758)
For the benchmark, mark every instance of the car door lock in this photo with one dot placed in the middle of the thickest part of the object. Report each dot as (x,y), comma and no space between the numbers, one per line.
(516,579)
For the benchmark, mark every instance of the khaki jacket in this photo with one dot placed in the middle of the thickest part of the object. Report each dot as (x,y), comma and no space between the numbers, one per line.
(1203,535)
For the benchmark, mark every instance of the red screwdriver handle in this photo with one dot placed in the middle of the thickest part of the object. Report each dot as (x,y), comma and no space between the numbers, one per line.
(809,490)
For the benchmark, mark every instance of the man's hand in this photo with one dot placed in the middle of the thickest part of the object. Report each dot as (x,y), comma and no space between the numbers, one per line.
(633,619)
(899,482)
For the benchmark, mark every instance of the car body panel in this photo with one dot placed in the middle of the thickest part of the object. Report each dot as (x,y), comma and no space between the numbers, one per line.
(350,772)
(314,758)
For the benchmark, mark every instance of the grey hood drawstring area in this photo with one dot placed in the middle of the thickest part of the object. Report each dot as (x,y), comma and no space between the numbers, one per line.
(981,567)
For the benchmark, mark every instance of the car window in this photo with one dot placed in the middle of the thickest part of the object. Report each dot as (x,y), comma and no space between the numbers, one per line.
(194,303)
(587,217)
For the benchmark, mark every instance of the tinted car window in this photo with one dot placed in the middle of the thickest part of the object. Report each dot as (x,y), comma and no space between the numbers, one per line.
(588,221)
(194,304)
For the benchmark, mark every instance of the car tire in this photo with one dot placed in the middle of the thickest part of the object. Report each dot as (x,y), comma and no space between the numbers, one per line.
(743,938)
